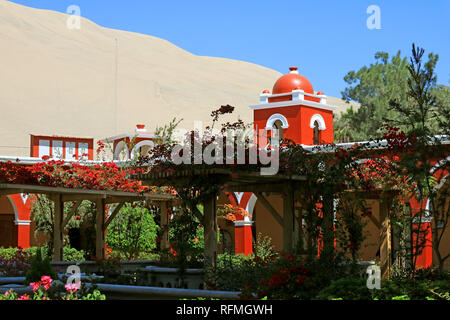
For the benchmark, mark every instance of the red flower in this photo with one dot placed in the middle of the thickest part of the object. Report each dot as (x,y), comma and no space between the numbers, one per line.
(46,282)
(35,285)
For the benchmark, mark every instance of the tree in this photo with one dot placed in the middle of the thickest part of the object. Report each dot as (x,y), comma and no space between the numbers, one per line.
(425,109)
(42,213)
(132,231)
(374,87)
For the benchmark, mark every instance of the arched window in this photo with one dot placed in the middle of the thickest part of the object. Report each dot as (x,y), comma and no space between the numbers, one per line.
(277,133)
(277,123)
(316,136)
(317,124)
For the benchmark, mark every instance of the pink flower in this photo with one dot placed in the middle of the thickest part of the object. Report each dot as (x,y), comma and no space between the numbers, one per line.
(35,285)
(46,281)
(24,297)
(72,287)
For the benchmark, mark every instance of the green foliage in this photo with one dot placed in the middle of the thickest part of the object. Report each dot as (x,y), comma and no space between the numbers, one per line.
(376,86)
(263,247)
(96,295)
(9,253)
(186,235)
(346,289)
(132,231)
(42,212)
(373,87)
(40,266)
(164,135)
(72,254)
(56,291)
(14,262)
(397,289)
(69,254)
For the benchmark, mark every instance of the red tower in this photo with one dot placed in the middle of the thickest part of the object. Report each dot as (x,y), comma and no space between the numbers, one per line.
(299,114)
(295,110)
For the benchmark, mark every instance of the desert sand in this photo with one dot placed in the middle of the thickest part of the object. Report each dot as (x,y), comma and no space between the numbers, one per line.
(60,81)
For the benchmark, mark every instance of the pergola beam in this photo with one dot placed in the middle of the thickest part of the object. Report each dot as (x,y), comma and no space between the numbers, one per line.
(81,197)
(113,214)
(72,212)
(7,192)
(255,187)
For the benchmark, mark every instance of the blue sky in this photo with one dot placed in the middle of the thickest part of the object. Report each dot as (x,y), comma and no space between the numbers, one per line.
(325,39)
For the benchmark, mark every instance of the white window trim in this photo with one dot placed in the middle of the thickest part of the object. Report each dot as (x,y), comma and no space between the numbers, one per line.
(119,147)
(317,117)
(275,117)
(141,144)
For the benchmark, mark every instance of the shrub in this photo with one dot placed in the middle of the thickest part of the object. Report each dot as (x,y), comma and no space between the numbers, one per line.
(40,266)
(14,262)
(132,231)
(263,247)
(72,254)
(48,289)
(347,289)
(286,277)
(187,240)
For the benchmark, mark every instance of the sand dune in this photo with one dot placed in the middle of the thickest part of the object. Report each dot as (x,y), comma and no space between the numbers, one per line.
(55,80)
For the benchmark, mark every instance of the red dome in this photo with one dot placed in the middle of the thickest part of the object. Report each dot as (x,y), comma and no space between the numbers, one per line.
(292,81)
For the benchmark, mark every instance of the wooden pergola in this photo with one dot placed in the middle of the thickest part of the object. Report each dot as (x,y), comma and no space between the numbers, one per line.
(288,186)
(102,198)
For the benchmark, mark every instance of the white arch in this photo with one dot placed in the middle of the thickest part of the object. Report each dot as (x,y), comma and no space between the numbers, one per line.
(119,147)
(251,206)
(275,117)
(317,117)
(141,144)
(438,165)
(16,213)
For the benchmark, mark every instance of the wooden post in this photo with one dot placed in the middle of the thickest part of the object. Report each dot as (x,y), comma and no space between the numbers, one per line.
(328,227)
(58,228)
(100,229)
(288,220)
(385,240)
(210,231)
(164,242)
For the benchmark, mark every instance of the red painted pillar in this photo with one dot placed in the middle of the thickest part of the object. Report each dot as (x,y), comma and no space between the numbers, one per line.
(425,256)
(23,234)
(243,237)
(23,212)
